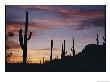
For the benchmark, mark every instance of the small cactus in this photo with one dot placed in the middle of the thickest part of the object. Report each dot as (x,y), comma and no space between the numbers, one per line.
(63,51)
(97,40)
(72,49)
(40,61)
(43,60)
(64,48)
(104,40)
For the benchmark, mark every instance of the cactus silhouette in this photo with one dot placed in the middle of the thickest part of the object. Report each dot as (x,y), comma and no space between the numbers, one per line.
(23,39)
(72,49)
(40,61)
(104,40)
(51,50)
(43,60)
(97,40)
(57,57)
(63,50)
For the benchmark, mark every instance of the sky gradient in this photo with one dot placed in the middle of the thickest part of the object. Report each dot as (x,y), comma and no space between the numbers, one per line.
(57,23)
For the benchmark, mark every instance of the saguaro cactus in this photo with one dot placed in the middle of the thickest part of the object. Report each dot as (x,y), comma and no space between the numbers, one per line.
(23,39)
(64,47)
(43,60)
(51,50)
(63,51)
(97,40)
(72,49)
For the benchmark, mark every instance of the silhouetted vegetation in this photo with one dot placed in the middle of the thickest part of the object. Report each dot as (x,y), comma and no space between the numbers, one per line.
(91,58)
(63,50)
(72,49)
(23,39)
(51,50)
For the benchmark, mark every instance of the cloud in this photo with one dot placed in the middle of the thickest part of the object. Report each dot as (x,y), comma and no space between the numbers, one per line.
(47,49)
(83,14)
(57,21)
(12,44)
(76,16)
(61,10)
(45,8)
(14,26)
(11,16)
(92,23)
(85,19)
(66,11)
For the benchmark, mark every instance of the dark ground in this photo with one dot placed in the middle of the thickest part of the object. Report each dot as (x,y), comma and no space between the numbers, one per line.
(91,59)
(54,68)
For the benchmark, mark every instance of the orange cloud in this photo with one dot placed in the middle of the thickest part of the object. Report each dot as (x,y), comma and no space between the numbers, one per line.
(58,21)
(38,7)
(12,44)
(15,26)
(46,49)
(84,14)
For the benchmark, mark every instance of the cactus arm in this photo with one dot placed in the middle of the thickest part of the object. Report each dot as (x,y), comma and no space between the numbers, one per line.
(21,38)
(29,36)
(66,52)
(72,49)
(22,46)
(104,39)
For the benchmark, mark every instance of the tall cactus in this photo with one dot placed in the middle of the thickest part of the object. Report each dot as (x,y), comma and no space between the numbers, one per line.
(97,40)
(51,50)
(63,51)
(72,49)
(23,39)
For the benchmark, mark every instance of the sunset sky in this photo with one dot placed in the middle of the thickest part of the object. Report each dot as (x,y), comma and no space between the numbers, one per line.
(55,23)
